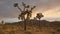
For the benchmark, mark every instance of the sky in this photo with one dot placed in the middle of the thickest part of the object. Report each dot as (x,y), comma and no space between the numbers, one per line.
(49,8)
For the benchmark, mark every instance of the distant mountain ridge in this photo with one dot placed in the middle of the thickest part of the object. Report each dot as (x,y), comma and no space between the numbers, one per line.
(37,23)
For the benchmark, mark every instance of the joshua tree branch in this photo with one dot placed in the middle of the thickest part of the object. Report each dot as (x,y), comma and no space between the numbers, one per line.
(33,8)
(19,8)
(24,9)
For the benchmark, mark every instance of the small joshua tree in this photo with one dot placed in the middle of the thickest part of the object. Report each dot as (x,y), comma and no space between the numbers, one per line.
(39,16)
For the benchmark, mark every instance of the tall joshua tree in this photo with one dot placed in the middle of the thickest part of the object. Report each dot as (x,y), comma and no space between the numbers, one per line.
(24,12)
(39,16)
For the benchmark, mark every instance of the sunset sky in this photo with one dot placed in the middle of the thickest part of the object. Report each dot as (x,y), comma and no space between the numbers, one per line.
(49,8)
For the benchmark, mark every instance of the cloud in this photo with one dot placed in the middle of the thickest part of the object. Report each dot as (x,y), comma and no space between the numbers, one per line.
(7,9)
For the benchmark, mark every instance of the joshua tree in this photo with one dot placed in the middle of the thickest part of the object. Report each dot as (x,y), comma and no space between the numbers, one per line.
(39,16)
(24,12)
(2,21)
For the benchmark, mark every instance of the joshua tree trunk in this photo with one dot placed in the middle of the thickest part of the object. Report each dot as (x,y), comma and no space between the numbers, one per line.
(25,25)
(39,19)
